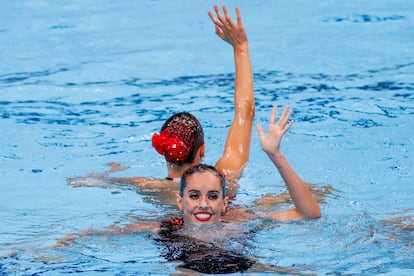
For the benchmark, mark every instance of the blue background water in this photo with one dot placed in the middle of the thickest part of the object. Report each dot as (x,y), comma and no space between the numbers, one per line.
(84,83)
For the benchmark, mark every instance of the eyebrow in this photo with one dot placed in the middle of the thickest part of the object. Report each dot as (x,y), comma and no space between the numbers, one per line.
(198,191)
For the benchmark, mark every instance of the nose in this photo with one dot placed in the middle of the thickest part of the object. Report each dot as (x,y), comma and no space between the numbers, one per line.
(203,205)
(203,208)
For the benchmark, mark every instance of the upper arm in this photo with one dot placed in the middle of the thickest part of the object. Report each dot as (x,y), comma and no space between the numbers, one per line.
(286,216)
(289,215)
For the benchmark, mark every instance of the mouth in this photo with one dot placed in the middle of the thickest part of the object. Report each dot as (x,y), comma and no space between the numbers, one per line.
(203,216)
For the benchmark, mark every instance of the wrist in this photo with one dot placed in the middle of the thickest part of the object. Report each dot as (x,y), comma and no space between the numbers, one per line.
(277,154)
(241,47)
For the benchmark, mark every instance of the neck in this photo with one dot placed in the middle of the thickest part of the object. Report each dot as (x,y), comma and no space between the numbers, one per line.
(175,171)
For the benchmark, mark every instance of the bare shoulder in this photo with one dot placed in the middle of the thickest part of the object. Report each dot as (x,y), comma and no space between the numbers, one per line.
(158,191)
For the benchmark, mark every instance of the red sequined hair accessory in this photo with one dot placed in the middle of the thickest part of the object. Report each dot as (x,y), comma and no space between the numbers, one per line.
(171,147)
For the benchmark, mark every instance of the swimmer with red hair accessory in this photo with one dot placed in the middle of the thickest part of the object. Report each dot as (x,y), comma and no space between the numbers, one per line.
(181,139)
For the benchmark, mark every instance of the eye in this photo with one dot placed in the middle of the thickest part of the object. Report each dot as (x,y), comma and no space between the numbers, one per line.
(193,196)
(213,196)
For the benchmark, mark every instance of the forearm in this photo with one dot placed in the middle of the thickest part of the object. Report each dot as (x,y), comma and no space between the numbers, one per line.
(140,226)
(304,202)
(244,91)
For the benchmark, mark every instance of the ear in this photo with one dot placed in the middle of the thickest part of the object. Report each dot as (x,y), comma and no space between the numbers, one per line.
(202,150)
(179,202)
(225,204)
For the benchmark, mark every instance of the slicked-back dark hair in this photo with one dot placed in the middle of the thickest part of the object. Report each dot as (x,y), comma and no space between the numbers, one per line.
(200,168)
(188,129)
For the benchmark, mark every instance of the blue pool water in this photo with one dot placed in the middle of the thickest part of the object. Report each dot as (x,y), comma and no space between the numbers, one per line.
(85,83)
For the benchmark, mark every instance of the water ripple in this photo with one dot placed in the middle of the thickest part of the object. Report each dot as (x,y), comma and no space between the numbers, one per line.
(319,97)
(23,76)
(363,18)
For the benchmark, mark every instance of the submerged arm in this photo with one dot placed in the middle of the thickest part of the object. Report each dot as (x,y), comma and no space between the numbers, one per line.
(237,147)
(97,179)
(137,227)
(306,206)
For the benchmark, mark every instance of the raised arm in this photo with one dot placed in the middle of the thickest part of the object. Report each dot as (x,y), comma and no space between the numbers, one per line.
(305,205)
(237,147)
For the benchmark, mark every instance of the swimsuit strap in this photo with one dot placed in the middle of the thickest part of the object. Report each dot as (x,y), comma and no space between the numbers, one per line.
(175,179)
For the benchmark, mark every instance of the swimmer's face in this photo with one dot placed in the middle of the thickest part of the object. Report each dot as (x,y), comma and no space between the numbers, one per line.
(202,201)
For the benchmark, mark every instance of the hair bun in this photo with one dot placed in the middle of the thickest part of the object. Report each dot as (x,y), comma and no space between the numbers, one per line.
(172,148)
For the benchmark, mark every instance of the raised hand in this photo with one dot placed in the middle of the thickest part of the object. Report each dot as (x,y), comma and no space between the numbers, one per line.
(231,32)
(271,140)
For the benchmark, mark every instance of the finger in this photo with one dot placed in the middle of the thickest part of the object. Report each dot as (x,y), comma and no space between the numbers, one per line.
(219,16)
(273,116)
(216,9)
(238,16)
(285,111)
(286,128)
(284,117)
(227,15)
(289,113)
(214,19)
(219,32)
(211,15)
(260,131)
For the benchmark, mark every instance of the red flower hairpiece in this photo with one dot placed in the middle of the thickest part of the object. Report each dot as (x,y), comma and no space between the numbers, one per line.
(172,148)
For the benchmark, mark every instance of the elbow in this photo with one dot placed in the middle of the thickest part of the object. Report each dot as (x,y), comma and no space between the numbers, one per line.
(315,214)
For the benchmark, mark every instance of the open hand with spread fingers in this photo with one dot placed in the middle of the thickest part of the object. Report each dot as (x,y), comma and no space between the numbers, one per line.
(231,32)
(271,140)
